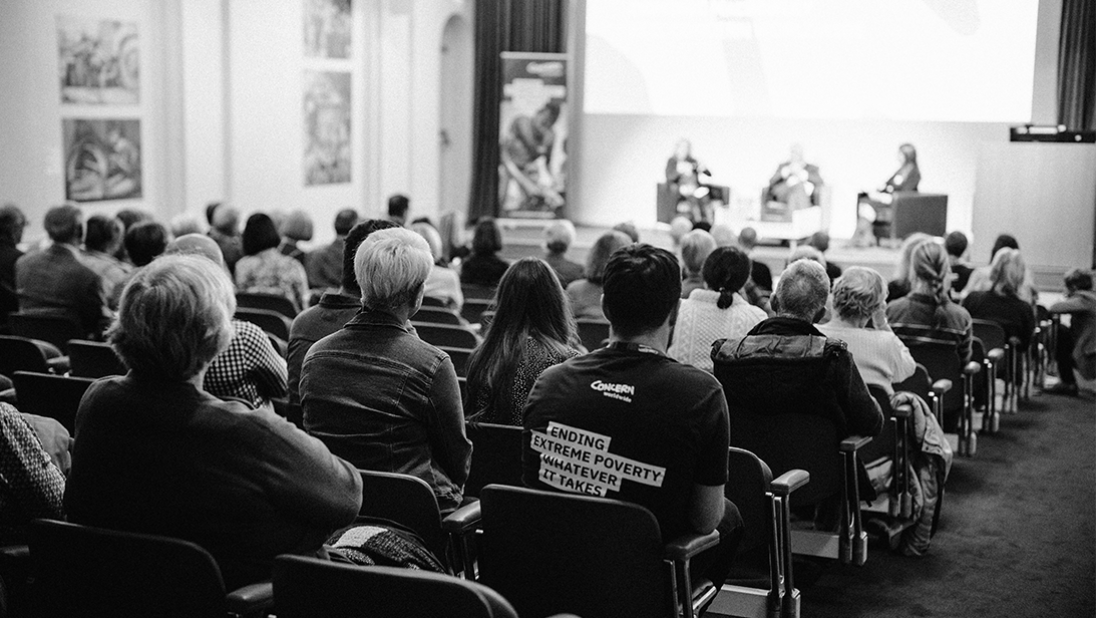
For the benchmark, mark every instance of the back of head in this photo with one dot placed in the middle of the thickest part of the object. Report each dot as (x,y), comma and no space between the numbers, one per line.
(297,226)
(956,244)
(1007,271)
(629,229)
(174,318)
(12,222)
(209,210)
(726,271)
(1078,279)
(398,206)
(183,224)
(641,288)
(702,225)
(858,293)
(679,227)
(1003,241)
(930,268)
(354,239)
(197,244)
(103,234)
(807,252)
(132,216)
(531,302)
(344,220)
(902,271)
(487,237)
(145,241)
(64,224)
(603,248)
(431,236)
(747,238)
(696,246)
(724,236)
(226,219)
(391,266)
(802,291)
(819,240)
(260,234)
(559,236)
(909,153)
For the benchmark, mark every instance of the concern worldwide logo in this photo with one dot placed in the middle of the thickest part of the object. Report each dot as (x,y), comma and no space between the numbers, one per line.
(623,392)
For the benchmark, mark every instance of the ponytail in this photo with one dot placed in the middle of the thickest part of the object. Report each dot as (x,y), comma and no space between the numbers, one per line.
(726,298)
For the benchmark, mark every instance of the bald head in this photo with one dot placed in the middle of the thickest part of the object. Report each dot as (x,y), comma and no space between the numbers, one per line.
(197,244)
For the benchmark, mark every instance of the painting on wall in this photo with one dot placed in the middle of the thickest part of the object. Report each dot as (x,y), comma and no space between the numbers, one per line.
(326,127)
(327,28)
(98,61)
(102,159)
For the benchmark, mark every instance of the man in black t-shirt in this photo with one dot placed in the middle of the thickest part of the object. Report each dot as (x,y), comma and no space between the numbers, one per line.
(630,423)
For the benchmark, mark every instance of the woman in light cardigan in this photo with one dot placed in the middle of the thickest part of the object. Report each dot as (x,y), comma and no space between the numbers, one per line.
(718,311)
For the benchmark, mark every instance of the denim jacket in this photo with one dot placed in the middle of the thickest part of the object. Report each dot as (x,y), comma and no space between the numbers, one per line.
(385,400)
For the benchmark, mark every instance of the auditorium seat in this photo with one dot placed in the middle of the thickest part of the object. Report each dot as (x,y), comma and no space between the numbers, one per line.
(496,456)
(268,302)
(85,571)
(52,396)
(993,337)
(459,356)
(94,359)
(477,292)
(272,322)
(446,336)
(22,354)
(593,333)
(473,308)
(438,315)
(957,404)
(53,329)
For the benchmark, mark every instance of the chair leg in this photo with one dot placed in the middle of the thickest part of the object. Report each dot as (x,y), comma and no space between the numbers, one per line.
(856,548)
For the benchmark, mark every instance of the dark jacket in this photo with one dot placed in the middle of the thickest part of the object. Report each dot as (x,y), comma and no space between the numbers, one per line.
(54,281)
(313,324)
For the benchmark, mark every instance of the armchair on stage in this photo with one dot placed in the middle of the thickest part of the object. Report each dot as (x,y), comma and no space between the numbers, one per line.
(909,212)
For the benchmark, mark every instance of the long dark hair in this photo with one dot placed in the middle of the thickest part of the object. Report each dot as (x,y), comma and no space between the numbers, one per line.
(529,303)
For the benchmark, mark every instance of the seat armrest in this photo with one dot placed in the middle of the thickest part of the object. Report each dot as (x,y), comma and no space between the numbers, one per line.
(996,355)
(464,519)
(790,481)
(972,368)
(902,411)
(689,545)
(1014,341)
(941,386)
(852,444)
(8,396)
(59,364)
(253,599)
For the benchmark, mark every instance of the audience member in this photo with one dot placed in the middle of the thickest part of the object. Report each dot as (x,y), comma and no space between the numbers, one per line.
(1002,303)
(33,482)
(821,241)
(532,330)
(926,315)
(101,241)
(398,206)
(263,269)
(12,223)
(334,309)
(54,281)
(637,403)
(724,236)
(296,227)
(585,294)
(159,455)
(702,225)
(184,223)
(980,280)
(1076,348)
(900,284)
(210,208)
(760,274)
(144,242)
(225,229)
(443,283)
(696,246)
(956,245)
(859,300)
(679,227)
(324,266)
(717,311)
(558,237)
(376,393)
(454,244)
(629,229)
(484,267)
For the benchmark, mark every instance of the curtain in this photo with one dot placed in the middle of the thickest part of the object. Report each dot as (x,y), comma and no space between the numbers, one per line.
(1077,65)
(503,25)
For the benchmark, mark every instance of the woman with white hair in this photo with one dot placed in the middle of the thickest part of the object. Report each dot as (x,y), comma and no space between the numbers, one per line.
(378,395)
(443,283)
(860,299)
(558,238)
(1002,303)
(157,454)
(696,246)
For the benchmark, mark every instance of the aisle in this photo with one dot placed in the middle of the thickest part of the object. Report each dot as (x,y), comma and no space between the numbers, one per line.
(1016,538)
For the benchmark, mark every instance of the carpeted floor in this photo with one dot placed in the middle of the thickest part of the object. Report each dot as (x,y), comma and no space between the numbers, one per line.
(1016,536)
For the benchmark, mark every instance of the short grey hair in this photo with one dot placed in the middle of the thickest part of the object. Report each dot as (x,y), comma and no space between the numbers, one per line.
(802,291)
(696,246)
(391,266)
(859,293)
(174,318)
(559,236)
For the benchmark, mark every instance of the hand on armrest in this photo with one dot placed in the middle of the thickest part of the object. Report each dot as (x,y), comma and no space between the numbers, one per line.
(790,481)
(687,546)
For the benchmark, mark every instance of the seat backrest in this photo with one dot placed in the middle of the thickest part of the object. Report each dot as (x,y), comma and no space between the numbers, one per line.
(479,292)
(20,354)
(593,333)
(272,322)
(313,588)
(919,383)
(267,302)
(473,308)
(94,359)
(747,484)
(406,500)
(84,571)
(53,396)
(438,315)
(459,356)
(54,329)
(496,456)
(942,363)
(991,334)
(549,553)
(448,336)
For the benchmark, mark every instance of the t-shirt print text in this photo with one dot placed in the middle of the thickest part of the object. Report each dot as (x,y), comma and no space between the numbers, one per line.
(623,392)
(579,461)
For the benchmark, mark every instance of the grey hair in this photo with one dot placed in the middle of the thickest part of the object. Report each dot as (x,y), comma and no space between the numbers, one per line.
(559,236)
(431,236)
(802,291)
(174,318)
(696,246)
(859,293)
(391,266)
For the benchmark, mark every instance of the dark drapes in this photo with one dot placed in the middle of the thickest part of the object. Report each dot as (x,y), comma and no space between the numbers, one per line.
(503,25)
(1077,65)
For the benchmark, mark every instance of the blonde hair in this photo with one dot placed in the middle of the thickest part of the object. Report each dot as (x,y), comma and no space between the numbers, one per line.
(859,292)
(431,236)
(391,266)
(1007,271)
(929,266)
(696,246)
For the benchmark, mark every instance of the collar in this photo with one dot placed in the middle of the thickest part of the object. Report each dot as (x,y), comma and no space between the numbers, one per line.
(340,301)
(920,297)
(785,326)
(627,346)
(369,317)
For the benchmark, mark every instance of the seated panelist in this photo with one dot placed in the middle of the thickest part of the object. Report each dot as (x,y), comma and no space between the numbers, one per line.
(873,207)
(795,183)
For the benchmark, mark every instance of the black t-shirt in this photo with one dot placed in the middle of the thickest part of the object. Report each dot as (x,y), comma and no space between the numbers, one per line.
(629,425)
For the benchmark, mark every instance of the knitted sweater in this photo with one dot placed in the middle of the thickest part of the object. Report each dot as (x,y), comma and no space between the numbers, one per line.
(880,355)
(700,322)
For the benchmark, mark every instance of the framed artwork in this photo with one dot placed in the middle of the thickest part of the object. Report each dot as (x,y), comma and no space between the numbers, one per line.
(327,28)
(98,61)
(326,127)
(102,159)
